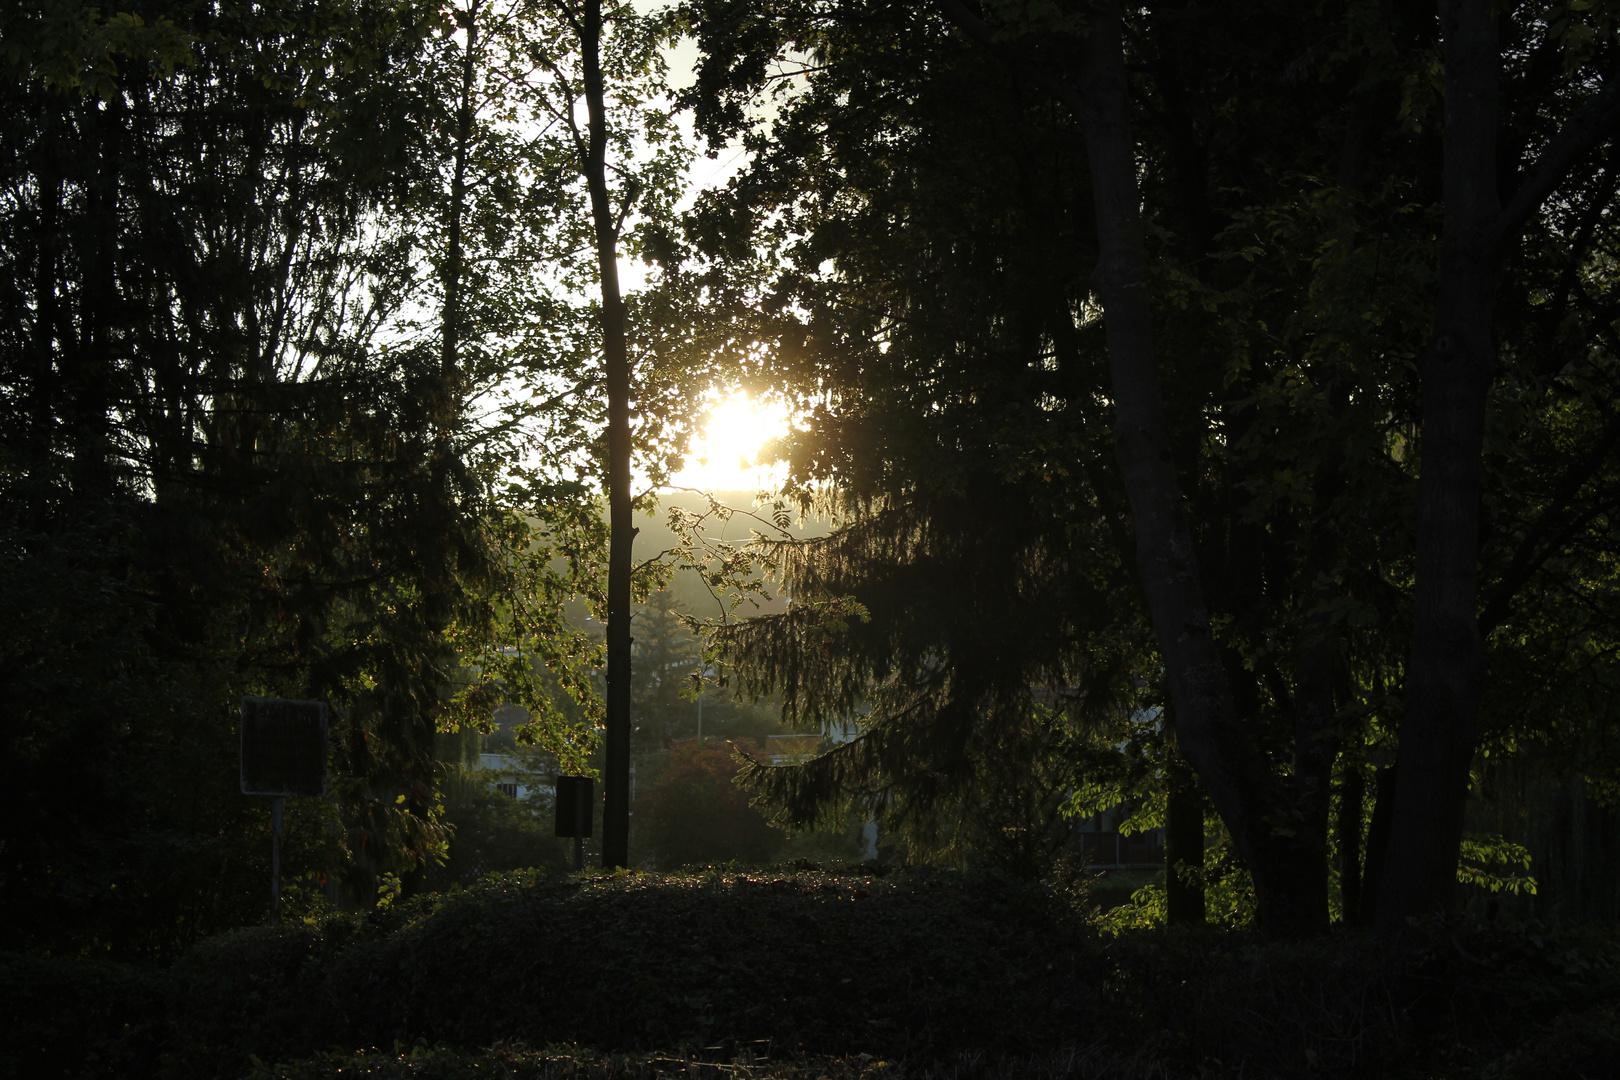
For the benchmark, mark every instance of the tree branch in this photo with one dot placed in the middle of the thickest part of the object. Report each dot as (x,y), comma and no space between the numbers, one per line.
(1594,123)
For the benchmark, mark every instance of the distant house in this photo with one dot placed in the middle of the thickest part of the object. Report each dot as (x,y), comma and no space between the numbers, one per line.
(507,777)
(791,749)
(1106,848)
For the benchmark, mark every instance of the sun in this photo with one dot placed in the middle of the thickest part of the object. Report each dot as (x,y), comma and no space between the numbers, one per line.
(724,455)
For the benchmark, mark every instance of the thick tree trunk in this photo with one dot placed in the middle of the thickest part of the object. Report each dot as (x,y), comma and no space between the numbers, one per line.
(1252,801)
(616,775)
(1445,677)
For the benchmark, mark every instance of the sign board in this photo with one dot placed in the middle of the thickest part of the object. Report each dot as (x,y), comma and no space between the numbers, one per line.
(283,747)
(574,805)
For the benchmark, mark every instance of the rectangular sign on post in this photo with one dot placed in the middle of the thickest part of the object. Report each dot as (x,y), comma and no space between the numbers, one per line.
(283,747)
(574,813)
(574,806)
(283,754)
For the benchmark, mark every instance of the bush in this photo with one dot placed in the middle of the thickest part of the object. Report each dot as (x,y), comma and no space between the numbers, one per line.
(943,973)
(636,961)
(83,1019)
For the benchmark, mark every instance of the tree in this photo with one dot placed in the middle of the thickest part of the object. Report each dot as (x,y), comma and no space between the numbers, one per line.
(223,363)
(1445,683)
(197,273)
(608,61)
(1268,464)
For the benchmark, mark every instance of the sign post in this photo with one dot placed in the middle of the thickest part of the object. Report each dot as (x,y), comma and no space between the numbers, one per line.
(283,753)
(574,815)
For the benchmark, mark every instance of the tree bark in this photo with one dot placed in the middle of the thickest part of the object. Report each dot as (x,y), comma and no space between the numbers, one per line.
(621,531)
(1372,866)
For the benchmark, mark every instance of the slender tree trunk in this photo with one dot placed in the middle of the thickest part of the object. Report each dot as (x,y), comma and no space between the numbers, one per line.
(1445,678)
(616,775)
(92,475)
(1372,866)
(41,442)
(1183,845)
(1352,796)
(1316,731)
(1250,798)
(446,406)
(454,319)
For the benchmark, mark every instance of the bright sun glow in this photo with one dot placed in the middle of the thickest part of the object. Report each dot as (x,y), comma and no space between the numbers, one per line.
(723,457)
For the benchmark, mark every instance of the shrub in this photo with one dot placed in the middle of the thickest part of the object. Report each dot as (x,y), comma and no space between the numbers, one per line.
(83,1019)
(933,970)
(636,961)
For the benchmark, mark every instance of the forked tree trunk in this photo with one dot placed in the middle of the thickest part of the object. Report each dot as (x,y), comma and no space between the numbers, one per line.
(1286,856)
(1287,862)
(1445,678)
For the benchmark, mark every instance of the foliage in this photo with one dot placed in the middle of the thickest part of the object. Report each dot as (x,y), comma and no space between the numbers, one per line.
(745,1061)
(201,272)
(1495,864)
(490,832)
(912,240)
(1228,903)
(295,403)
(893,966)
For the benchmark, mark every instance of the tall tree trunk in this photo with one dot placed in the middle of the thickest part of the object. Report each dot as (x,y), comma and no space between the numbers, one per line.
(454,319)
(1316,730)
(1352,797)
(1440,731)
(1445,678)
(41,441)
(92,382)
(621,531)
(1250,798)
(1183,845)
(445,414)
